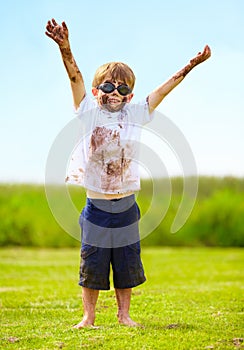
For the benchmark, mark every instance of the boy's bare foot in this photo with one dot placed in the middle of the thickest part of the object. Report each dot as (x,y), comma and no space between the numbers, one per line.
(84,324)
(127,321)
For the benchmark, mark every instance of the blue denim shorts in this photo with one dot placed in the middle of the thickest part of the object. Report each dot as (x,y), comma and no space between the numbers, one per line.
(110,238)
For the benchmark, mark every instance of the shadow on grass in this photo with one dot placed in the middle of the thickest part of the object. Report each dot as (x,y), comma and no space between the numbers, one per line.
(163,326)
(146,326)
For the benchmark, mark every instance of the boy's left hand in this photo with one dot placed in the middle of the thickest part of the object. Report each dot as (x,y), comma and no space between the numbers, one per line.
(59,33)
(201,56)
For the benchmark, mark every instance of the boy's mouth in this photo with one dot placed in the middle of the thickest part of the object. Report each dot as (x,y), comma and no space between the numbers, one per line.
(113,101)
(112,104)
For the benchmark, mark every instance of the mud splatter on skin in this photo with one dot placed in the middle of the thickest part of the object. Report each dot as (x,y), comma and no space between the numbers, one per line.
(103,101)
(201,56)
(183,72)
(68,57)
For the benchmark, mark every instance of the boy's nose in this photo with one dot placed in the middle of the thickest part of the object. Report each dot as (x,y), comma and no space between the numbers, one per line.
(115,92)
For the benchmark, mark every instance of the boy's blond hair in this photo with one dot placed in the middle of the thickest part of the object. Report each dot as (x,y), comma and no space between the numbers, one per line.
(114,71)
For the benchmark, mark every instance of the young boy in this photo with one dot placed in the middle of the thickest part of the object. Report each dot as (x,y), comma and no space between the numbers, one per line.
(109,220)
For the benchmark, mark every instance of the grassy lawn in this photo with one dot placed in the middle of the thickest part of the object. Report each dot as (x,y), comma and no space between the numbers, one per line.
(193,299)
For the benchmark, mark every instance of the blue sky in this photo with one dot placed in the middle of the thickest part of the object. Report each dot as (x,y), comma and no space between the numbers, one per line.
(156,38)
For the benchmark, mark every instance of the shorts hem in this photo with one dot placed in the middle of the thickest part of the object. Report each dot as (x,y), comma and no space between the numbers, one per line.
(130,285)
(93,287)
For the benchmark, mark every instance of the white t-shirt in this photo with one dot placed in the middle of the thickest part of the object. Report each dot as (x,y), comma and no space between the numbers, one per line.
(106,156)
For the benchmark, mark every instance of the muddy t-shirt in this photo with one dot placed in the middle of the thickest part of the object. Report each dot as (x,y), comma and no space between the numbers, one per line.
(106,157)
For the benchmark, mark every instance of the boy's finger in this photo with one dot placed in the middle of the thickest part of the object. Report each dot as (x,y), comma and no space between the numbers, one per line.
(207,48)
(64,25)
(49,25)
(50,35)
(49,29)
(54,22)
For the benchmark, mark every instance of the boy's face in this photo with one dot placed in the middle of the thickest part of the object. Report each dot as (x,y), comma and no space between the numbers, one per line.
(112,101)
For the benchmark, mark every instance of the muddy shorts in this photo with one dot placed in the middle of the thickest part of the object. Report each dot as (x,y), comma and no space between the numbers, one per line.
(110,239)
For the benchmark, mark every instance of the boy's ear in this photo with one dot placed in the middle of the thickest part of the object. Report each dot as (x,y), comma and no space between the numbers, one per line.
(129,97)
(94,91)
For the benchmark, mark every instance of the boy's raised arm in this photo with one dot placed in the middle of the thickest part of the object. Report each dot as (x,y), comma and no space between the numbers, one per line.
(60,34)
(156,97)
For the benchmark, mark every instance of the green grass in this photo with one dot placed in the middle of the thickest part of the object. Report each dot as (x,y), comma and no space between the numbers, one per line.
(193,299)
(216,220)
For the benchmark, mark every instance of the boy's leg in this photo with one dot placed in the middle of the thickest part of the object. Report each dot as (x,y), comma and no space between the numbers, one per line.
(89,298)
(123,297)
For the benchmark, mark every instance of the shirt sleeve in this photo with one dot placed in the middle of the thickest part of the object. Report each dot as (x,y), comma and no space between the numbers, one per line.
(86,104)
(139,112)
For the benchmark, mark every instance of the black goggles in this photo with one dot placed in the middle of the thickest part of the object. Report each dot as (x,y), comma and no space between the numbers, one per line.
(107,88)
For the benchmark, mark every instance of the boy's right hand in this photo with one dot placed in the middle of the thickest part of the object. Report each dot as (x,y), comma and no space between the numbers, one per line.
(59,33)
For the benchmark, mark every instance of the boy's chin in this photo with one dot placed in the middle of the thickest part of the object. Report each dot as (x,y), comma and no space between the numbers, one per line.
(113,108)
